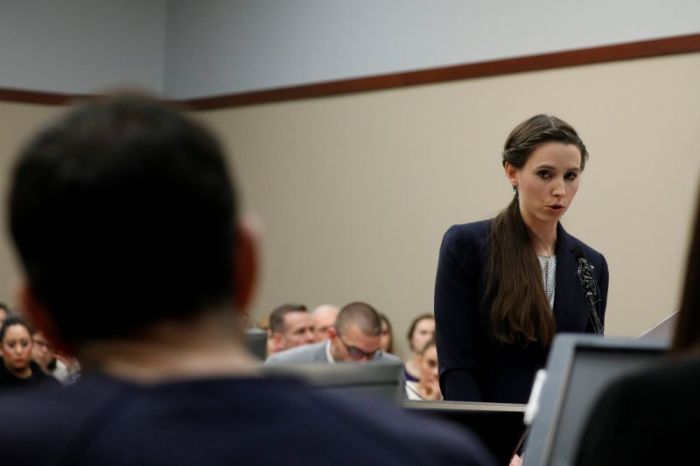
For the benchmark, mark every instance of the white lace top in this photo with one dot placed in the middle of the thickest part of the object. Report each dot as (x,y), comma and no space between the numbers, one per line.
(549,273)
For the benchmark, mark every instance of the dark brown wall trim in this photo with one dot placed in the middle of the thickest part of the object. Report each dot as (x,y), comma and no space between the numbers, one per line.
(628,51)
(36,97)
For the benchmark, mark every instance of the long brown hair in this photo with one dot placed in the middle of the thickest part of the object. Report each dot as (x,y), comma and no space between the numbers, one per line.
(383,317)
(687,334)
(520,312)
(412,328)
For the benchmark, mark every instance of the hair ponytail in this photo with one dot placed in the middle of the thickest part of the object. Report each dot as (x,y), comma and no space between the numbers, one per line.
(520,312)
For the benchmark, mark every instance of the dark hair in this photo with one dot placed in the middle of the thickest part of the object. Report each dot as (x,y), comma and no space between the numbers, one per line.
(520,312)
(385,319)
(277,316)
(687,331)
(14,320)
(6,309)
(123,214)
(364,316)
(412,328)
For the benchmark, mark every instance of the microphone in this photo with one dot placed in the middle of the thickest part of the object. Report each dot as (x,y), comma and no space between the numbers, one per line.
(584,271)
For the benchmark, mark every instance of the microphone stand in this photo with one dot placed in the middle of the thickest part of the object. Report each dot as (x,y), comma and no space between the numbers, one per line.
(590,288)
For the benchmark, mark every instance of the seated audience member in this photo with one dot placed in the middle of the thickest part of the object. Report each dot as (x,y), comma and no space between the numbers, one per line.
(44,355)
(420,332)
(17,368)
(387,339)
(428,387)
(324,318)
(355,337)
(264,324)
(4,312)
(653,417)
(124,217)
(290,325)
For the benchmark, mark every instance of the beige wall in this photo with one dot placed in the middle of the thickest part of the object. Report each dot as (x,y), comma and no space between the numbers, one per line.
(17,122)
(356,191)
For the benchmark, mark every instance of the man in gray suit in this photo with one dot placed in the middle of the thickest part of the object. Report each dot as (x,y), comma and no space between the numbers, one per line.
(354,338)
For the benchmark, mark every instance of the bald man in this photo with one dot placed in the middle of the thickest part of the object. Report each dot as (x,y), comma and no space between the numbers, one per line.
(324,318)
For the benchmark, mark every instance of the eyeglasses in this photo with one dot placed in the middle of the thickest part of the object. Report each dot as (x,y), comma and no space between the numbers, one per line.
(356,353)
(43,344)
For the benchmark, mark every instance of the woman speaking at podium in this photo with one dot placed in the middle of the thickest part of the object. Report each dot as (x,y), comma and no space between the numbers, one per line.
(507,285)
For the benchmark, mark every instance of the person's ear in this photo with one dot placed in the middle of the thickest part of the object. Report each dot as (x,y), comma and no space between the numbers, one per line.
(277,341)
(332,332)
(511,173)
(38,314)
(246,263)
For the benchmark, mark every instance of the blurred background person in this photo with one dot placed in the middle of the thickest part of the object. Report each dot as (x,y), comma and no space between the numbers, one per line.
(420,332)
(290,325)
(324,317)
(264,324)
(168,380)
(355,337)
(428,388)
(387,338)
(4,312)
(17,368)
(44,354)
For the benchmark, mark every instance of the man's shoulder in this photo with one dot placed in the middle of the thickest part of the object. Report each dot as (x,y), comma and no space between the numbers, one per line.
(121,423)
(48,418)
(388,357)
(314,352)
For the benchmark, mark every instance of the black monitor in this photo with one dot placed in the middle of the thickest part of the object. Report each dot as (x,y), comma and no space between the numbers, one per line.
(383,380)
(256,342)
(498,425)
(579,367)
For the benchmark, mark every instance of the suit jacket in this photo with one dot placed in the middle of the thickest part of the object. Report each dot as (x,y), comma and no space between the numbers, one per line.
(649,418)
(314,353)
(473,366)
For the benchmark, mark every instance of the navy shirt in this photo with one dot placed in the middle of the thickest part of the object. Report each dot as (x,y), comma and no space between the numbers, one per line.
(9,381)
(219,421)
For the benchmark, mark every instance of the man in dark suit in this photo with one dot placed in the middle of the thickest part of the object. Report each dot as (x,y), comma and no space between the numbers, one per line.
(124,217)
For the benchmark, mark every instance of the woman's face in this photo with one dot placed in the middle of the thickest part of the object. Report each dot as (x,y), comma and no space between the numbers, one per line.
(547,183)
(423,333)
(42,351)
(385,339)
(429,366)
(17,348)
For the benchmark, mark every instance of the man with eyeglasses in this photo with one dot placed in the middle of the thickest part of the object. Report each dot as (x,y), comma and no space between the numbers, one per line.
(355,337)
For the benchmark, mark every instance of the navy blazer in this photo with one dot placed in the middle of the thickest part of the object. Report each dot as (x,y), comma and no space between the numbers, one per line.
(473,366)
